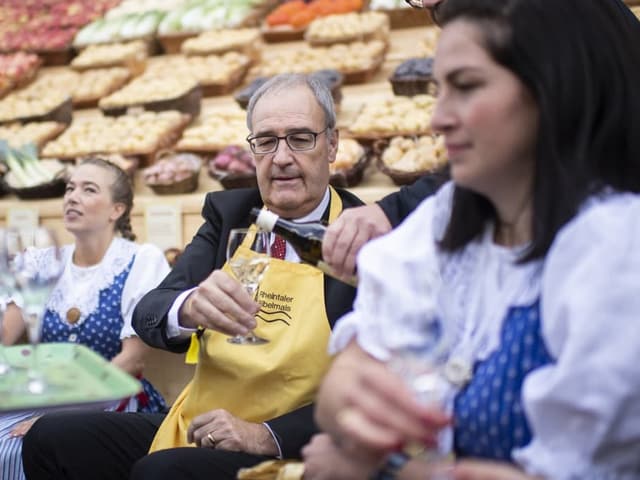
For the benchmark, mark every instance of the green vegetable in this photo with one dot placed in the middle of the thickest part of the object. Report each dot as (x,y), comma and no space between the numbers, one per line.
(25,166)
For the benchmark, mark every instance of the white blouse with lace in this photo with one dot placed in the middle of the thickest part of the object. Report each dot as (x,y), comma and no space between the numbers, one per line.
(584,408)
(79,287)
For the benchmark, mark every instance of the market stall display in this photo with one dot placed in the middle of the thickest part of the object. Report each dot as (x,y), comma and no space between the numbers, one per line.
(288,21)
(38,133)
(394,116)
(216,74)
(349,166)
(357,61)
(233,167)
(405,159)
(131,55)
(17,69)
(348,28)
(46,26)
(155,93)
(173,173)
(141,135)
(218,42)
(413,77)
(39,101)
(28,176)
(400,13)
(214,131)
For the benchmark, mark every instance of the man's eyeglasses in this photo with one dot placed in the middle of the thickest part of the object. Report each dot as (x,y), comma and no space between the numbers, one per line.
(298,142)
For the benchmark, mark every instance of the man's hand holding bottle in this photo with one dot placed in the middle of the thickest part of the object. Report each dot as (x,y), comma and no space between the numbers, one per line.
(351,230)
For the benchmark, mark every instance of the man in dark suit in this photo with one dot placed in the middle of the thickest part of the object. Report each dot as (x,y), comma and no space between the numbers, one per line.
(246,403)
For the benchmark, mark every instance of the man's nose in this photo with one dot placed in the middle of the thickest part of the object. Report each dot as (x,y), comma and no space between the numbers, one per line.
(282,153)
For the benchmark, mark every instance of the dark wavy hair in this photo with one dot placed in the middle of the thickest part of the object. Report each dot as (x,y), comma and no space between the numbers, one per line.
(581,62)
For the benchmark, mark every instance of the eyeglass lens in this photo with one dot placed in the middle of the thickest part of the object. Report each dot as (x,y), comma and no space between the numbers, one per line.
(296,141)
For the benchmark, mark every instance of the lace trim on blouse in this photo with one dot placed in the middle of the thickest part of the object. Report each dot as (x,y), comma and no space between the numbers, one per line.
(90,280)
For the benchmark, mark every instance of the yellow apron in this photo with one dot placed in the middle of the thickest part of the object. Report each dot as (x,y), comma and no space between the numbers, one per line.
(260,382)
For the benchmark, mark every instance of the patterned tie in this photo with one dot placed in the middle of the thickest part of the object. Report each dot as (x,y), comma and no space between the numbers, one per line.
(278,247)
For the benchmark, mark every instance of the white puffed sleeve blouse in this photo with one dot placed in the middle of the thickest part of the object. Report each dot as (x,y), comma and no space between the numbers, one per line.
(584,407)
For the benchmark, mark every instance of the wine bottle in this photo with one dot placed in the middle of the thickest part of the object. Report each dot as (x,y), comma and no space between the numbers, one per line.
(304,237)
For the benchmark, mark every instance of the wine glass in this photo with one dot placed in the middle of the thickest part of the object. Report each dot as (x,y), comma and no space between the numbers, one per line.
(417,343)
(35,260)
(7,284)
(419,350)
(248,253)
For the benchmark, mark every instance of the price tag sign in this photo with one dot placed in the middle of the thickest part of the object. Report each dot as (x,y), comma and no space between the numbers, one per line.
(23,217)
(164,225)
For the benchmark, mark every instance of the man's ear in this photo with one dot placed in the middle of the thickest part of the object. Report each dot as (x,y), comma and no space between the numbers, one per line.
(334,139)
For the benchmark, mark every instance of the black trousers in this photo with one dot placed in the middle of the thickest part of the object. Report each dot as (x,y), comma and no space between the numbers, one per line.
(113,446)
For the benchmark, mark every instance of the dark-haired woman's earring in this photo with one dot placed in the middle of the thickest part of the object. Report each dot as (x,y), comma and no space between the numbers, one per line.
(415,3)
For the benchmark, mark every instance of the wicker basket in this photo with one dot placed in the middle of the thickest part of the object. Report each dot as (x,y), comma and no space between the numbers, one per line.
(54,188)
(235,180)
(281,33)
(172,43)
(404,177)
(63,113)
(189,102)
(187,185)
(352,176)
(407,17)
(412,85)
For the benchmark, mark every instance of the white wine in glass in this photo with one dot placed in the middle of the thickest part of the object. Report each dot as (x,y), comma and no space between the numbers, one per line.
(36,264)
(248,254)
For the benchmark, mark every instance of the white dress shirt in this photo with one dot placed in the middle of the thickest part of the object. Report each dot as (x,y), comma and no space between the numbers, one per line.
(175,330)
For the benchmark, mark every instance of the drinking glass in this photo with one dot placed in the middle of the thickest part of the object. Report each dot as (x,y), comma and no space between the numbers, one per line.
(34,258)
(419,349)
(7,284)
(248,254)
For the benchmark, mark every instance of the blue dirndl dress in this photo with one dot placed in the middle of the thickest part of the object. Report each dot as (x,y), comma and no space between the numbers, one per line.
(490,421)
(100,331)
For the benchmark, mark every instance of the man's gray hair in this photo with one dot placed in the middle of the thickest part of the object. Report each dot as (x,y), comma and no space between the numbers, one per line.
(286,81)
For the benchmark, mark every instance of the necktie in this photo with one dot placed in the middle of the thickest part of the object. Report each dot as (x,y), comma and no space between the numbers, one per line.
(278,247)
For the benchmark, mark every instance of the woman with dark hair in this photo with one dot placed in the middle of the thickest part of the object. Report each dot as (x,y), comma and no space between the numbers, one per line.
(92,304)
(531,254)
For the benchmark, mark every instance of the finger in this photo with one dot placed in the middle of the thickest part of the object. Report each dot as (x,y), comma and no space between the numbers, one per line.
(206,419)
(331,236)
(393,390)
(480,470)
(222,304)
(389,414)
(209,316)
(349,263)
(342,249)
(362,431)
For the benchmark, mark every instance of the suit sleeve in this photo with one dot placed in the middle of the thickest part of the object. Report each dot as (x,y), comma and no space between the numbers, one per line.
(294,430)
(195,264)
(398,205)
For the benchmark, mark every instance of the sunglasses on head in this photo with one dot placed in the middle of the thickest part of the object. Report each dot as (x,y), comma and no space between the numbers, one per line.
(427,5)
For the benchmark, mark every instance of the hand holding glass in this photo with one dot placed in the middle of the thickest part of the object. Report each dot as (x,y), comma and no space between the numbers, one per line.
(248,257)
(418,355)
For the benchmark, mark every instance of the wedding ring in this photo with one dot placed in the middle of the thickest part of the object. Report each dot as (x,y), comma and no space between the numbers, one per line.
(212,439)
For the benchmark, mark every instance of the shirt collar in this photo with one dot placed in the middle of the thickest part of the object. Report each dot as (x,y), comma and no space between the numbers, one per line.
(316,214)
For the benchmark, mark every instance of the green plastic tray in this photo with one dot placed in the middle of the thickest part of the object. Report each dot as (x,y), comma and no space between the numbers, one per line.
(77,375)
